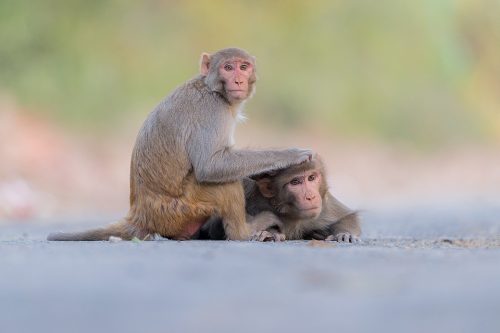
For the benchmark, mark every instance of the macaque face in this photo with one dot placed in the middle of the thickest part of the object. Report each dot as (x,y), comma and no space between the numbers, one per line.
(304,194)
(236,73)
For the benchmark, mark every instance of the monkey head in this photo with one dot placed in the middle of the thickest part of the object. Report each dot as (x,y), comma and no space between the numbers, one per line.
(297,191)
(229,72)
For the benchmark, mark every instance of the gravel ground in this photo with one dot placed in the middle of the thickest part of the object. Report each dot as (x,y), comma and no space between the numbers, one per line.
(433,268)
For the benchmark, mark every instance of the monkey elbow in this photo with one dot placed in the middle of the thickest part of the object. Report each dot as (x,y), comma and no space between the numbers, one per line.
(211,175)
(204,176)
(201,177)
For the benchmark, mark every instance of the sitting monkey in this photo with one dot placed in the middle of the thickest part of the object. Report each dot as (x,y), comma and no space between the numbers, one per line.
(184,168)
(294,203)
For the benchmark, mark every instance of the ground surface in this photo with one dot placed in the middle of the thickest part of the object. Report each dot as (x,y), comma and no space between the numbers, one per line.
(424,269)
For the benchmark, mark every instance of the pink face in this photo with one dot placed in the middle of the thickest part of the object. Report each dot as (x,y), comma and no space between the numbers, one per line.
(236,72)
(305,189)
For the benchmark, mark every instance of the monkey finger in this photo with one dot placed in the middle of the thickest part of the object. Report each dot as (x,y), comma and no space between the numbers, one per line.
(343,237)
(279,237)
(267,239)
(262,236)
(320,236)
(256,236)
(307,156)
(301,155)
(330,238)
(346,238)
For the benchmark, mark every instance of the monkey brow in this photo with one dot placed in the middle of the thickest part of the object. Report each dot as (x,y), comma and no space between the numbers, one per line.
(299,178)
(243,61)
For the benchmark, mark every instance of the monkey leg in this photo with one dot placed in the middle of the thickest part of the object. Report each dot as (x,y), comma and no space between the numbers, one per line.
(181,217)
(170,217)
(228,200)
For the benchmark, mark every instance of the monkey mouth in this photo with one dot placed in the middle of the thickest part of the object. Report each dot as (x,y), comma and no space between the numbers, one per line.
(310,212)
(309,209)
(237,94)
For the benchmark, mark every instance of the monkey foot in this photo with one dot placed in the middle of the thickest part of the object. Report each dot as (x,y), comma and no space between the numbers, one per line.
(343,237)
(266,236)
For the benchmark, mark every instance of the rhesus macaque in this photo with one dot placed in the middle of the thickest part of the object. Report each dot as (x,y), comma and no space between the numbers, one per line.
(184,169)
(294,203)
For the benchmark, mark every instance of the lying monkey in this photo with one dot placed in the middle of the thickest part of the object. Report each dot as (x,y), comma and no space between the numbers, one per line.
(294,203)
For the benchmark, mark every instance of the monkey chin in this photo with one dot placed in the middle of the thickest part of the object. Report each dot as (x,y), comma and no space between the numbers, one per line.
(237,95)
(311,213)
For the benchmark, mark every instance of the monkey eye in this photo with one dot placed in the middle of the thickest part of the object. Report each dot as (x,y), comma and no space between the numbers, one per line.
(228,67)
(295,181)
(311,178)
(244,67)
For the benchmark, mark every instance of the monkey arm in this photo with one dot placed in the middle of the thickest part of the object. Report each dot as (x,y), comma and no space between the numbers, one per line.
(337,219)
(215,162)
(227,165)
(347,224)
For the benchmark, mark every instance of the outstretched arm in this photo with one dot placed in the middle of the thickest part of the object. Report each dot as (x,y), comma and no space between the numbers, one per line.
(214,161)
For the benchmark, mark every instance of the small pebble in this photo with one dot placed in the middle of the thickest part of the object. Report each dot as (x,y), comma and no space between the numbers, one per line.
(114,239)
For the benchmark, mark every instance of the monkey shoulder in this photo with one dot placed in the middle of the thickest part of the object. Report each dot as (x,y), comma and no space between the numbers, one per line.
(195,105)
(334,211)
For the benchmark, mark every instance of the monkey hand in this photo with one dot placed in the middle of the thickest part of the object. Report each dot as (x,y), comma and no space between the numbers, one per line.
(299,156)
(267,236)
(343,237)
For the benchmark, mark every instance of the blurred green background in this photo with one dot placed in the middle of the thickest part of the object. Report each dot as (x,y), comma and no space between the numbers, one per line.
(424,73)
(401,98)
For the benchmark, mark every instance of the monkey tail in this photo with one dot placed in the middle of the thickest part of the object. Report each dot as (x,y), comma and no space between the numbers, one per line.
(120,229)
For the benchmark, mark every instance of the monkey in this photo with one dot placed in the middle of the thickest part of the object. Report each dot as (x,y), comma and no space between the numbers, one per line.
(184,168)
(294,203)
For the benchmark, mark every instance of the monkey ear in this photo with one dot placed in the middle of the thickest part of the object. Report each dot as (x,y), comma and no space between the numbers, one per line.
(204,63)
(265,189)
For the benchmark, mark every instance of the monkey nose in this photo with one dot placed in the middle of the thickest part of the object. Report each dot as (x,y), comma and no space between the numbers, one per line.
(310,197)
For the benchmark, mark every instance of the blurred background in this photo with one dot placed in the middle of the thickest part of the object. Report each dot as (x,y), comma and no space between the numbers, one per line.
(401,98)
